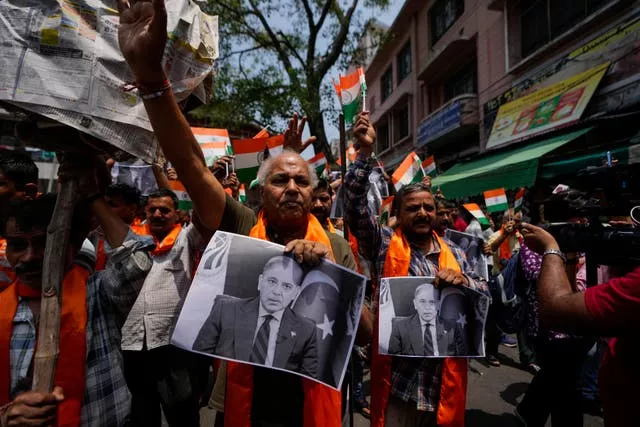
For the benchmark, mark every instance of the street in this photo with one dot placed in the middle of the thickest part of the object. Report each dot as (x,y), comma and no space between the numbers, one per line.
(492,396)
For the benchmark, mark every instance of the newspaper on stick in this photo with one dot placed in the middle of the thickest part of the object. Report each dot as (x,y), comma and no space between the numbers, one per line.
(62,59)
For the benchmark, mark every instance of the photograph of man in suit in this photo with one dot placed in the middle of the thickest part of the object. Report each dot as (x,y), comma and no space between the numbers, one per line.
(453,341)
(418,334)
(264,329)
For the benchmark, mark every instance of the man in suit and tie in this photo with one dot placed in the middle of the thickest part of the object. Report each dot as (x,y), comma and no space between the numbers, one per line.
(264,329)
(418,335)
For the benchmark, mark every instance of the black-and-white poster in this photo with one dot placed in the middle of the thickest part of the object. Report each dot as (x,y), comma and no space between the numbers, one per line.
(416,319)
(472,246)
(251,303)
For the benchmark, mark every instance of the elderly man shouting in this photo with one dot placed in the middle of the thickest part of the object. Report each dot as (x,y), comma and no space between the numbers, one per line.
(287,183)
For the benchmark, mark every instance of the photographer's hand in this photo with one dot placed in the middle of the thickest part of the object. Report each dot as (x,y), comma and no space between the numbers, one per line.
(538,239)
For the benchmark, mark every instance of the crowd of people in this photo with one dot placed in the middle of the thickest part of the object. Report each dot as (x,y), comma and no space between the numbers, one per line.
(130,261)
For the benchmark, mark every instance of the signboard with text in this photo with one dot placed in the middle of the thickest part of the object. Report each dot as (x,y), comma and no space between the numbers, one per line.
(439,123)
(543,110)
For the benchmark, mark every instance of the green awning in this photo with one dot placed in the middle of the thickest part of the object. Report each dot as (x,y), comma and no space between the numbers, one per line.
(510,169)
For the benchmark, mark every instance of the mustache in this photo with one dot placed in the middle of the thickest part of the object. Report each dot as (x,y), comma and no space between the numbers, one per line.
(28,267)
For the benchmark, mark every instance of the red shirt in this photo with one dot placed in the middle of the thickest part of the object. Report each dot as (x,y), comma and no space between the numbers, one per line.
(616,305)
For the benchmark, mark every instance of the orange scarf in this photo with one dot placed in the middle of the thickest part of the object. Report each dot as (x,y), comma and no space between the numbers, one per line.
(322,404)
(71,366)
(168,241)
(453,388)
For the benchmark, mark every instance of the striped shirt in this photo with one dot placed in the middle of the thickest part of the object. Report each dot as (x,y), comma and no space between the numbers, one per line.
(110,293)
(417,380)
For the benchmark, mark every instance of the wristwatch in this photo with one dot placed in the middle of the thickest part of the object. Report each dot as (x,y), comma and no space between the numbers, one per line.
(555,252)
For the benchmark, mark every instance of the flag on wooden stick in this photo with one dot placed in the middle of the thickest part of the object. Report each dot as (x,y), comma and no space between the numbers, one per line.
(351,89)
(319,163)
(409,172)
(496,200)
(429,166)
(519,200)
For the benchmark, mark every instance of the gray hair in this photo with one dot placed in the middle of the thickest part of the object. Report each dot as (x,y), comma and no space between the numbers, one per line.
(267,166)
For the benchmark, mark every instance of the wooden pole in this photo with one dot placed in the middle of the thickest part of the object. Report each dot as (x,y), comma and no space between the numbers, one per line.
(343,169)
(53,267)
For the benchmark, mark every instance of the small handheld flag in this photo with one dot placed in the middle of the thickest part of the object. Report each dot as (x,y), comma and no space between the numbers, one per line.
(519,200)
(475,210)
(409,172)
(350,90)
(496,200)
(429,166)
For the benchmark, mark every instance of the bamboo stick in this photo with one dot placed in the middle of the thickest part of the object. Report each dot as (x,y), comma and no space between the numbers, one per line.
(46,356)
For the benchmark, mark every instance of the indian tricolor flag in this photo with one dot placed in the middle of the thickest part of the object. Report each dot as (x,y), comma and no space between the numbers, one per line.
(519,200)
(409,171)
(475,210)
(385,210)
(262,134)
(242,194)
(214,143)
(184,201)
(351,89)
(496,200)
(429,166)
(319,163)
(250,153)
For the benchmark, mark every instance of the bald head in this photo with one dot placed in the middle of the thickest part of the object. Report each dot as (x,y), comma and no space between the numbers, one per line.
(287,187)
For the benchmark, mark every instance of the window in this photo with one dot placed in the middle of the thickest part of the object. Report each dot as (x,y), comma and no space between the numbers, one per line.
(543,20)
(382,136)
(401,123)
(442,16)
(404,62)
(465,81)
(386,84)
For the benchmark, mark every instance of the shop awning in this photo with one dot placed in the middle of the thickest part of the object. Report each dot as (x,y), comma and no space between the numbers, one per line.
(510,169)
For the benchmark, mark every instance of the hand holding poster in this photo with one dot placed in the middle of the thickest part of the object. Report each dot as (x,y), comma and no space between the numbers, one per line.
(416,319)
(251,303)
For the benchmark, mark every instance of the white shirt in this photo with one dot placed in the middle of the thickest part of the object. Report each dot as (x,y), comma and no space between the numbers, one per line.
(434,338)
(274,326)
(153,315)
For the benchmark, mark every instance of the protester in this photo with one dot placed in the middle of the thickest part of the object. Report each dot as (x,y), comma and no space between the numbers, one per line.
(89,382)
(159,374)
(407,391)
(321,202)
(18,179)
(443,216)
(287,182)
(506,241)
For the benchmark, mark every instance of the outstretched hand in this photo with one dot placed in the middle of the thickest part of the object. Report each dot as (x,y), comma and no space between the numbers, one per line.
(293,135)
(142,36)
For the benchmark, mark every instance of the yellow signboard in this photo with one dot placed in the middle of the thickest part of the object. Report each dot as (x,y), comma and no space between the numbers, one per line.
(545,109)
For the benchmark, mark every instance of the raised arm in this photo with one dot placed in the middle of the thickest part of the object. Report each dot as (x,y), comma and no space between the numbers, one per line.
(360,220)
(142,35)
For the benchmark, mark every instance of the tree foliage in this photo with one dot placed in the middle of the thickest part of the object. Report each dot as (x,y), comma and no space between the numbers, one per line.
(275,57)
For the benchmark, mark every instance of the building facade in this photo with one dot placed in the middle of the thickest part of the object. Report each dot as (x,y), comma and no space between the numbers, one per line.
(461,79)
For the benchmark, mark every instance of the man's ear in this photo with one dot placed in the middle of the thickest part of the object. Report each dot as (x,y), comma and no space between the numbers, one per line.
(259,281)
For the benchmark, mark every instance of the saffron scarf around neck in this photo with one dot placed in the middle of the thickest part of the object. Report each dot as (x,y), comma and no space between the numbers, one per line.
(71,366)
(453,386)
(167,242)
(322,404)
